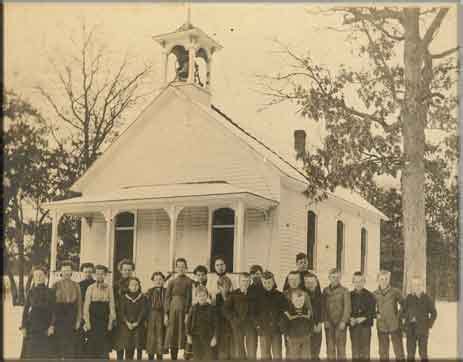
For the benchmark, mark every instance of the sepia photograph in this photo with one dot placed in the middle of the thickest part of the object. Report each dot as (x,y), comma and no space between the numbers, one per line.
(231,180)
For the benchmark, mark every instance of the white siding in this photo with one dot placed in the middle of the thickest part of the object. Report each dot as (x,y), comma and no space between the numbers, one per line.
(93,248)
(328,213)
(153,230)
(192,236)
(258,239)
(293,234)
(177,143)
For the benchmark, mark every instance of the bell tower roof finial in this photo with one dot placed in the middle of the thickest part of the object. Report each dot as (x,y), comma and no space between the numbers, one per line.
(188,12)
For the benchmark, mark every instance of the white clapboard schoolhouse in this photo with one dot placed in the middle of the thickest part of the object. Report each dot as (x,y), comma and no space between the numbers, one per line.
(184,180)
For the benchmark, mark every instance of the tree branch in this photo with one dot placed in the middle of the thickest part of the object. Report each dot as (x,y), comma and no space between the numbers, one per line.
(436,23)
(445,53)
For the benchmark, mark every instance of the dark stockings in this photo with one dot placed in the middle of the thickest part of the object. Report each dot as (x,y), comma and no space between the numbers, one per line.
(173,353)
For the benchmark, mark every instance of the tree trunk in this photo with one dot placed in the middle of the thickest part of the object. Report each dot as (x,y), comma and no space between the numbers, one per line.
(413,172)
(20,243)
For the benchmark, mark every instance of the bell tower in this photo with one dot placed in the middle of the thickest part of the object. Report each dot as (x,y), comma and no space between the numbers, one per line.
(192,50)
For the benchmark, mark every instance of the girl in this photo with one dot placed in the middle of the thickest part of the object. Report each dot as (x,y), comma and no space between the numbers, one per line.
(177,306)
(99,315)
(132,309)
(155,310)
(126,269)
(38,318)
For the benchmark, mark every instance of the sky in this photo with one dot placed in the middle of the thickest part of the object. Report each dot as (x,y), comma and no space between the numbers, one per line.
(36,33)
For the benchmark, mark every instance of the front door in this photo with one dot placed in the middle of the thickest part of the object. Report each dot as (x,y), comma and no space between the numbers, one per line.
(123,240)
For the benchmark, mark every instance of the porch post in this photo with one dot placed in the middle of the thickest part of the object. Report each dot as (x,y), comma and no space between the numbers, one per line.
(56,216)
(239,236)
(173,211)
(108,215)
(210,210)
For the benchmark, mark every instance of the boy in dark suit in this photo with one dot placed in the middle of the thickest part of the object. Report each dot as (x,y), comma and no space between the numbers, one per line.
(312,287)
(270,306)
(202,325)
(388,302)
(336,314)
(238,310)
(363,305)
(418,314)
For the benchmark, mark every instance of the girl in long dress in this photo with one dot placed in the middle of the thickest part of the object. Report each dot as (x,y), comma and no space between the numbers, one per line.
(132,312)
(126,270)
(38,318)
(99,315)
(155,319)
(177,306)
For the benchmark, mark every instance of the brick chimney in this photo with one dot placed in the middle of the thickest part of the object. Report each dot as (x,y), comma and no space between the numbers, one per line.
(299,142)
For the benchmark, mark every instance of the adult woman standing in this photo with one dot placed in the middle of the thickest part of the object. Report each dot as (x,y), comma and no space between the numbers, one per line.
(177,306)
(38,318)
(68,312)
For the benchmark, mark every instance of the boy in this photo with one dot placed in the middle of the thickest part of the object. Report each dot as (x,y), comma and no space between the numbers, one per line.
(99,314)
(255,292)
(270,306)
(388,301)
(224,330)
(68,312)
(296,324)
(202,325)
(336,310)
(200,273)
(87,269)
(361,319)
(238,310)
(302,265)
(419,314)
(312,286)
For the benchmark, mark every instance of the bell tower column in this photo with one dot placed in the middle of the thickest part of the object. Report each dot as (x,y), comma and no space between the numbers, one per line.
(165,63)
(191,61)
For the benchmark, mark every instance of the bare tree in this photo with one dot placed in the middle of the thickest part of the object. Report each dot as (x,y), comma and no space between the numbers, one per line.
(96,93)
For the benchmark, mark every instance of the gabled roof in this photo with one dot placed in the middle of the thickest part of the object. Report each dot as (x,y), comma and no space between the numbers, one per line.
(283,164)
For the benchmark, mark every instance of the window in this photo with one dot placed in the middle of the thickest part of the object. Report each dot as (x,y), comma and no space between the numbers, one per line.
(339,245)
(311,237)
(363,249)
(223,236)
(123,238)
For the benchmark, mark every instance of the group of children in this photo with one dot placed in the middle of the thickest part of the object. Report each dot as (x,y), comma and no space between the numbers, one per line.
(91,318)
